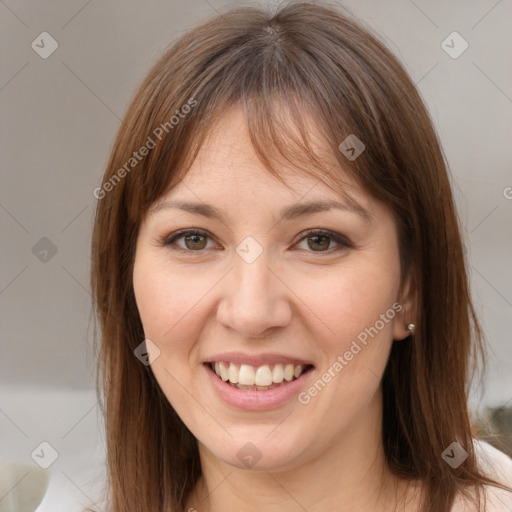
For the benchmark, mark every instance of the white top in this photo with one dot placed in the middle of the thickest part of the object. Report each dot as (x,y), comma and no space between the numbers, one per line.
(496,465)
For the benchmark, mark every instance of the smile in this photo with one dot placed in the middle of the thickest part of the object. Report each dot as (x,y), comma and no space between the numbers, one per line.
(257,378)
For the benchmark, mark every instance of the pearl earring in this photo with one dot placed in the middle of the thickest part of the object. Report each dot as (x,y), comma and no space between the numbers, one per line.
(410,328)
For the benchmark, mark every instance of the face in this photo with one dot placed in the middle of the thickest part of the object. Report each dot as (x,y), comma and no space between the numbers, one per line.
(294,310)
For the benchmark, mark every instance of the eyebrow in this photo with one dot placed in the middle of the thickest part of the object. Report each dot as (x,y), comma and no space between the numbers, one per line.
(287,213)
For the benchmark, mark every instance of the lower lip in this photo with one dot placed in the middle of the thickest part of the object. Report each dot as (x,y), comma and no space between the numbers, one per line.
(257,400)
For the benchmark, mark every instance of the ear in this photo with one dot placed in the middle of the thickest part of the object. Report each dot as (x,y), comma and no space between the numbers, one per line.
(408,314)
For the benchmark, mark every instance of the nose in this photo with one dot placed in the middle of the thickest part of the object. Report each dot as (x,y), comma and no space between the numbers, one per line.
(254,299)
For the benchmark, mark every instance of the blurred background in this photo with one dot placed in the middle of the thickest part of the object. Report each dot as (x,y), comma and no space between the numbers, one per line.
(68,70)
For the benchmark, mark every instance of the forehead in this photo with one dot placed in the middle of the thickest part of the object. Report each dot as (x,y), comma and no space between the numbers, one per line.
(227,159)
(228,179)
(227,184)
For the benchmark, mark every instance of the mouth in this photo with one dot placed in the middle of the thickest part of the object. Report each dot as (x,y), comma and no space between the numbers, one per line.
(257,378)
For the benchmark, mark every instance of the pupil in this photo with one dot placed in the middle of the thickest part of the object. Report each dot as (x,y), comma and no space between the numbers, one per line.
(194,238)
(316,238)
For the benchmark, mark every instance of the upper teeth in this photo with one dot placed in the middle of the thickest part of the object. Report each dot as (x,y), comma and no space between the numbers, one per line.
(249,375)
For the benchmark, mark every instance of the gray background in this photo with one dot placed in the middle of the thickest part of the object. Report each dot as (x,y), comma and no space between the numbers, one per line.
(58,120)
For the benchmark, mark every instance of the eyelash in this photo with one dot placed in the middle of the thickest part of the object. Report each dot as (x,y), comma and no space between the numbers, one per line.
(170,240)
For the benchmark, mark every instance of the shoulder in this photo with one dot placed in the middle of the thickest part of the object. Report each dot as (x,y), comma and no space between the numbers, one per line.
(493,461)
(498,466)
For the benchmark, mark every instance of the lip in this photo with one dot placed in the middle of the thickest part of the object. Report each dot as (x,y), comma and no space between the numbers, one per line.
(257,400)
(256,360)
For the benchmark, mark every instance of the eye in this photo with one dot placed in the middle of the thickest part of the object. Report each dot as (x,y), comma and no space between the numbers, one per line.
(320,240)
(195,240)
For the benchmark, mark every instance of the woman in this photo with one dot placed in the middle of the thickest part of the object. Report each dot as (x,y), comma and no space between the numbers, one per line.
(280,282)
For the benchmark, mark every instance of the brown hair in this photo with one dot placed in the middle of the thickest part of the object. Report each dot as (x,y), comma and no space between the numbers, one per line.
(312,59)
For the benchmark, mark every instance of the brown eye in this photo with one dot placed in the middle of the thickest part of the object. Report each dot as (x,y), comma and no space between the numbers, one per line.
(317,241)
(320,241)
(194,242)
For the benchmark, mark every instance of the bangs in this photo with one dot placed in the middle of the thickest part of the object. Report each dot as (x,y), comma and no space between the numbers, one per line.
(290,125)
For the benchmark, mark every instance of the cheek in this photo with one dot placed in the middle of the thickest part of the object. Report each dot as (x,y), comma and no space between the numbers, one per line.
(170,301)
(355,334)
(165,301)
(351,300)
(154,300)
(172,315)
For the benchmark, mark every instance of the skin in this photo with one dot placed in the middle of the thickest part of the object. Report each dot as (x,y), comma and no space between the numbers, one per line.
(297,298)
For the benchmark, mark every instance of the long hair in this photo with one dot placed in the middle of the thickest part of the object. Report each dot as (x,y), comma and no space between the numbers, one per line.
(311,59)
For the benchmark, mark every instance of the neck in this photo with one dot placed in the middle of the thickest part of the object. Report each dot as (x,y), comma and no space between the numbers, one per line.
(350,475)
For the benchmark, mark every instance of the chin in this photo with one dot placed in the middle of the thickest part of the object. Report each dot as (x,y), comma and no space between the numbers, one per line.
(254,449)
